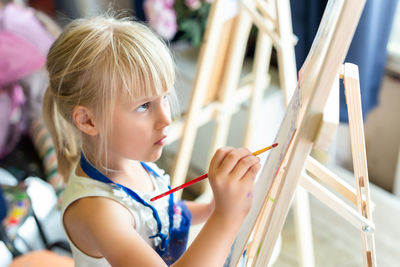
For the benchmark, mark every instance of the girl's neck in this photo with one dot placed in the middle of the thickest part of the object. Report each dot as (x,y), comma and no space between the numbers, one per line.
(123,166)
(129,173)
(115,165)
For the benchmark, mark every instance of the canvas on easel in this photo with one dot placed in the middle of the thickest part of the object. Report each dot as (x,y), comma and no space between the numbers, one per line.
(281,173)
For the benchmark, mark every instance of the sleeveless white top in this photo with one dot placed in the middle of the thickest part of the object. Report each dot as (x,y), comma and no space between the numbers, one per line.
(145,224)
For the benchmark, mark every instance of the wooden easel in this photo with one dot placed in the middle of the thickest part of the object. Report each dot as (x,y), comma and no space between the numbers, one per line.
(217,92)
(298,133)
(358,196)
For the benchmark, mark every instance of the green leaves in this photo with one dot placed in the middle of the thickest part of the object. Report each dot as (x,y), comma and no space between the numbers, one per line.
(192,31)
(191,23)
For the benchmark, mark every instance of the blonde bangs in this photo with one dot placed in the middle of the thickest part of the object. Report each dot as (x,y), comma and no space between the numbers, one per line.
(143,65)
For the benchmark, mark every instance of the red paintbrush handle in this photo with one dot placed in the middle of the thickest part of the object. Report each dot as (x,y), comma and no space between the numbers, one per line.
(204,176)
(198,179)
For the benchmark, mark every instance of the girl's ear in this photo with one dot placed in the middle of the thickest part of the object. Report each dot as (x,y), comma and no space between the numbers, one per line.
(84,120)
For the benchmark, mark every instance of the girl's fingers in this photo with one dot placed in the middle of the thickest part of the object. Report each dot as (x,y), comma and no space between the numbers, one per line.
(232,158)
(249,176)
(243,166)
(219,157)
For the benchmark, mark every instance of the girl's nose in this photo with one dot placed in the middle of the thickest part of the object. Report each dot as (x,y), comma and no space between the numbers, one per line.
(164,114)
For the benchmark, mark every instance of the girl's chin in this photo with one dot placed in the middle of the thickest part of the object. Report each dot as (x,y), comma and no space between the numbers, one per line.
(155,156)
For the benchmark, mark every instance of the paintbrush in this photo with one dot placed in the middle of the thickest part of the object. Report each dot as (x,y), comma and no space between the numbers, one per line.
(204,176)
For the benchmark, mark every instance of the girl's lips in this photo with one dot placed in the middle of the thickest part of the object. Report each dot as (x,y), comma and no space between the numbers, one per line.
(162,141)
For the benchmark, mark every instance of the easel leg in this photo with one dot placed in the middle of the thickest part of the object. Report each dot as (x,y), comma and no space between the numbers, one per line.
(285,50)
(288,79)
(261,63)
(353,100)
(231,77)
(302,219)
(215,26)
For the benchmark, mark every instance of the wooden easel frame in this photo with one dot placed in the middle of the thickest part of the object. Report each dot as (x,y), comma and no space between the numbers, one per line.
(216,92)
(358,208)
(298,133)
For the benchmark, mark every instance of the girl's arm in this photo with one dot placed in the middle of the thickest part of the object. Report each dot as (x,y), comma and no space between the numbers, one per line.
(101,227)
(231,176)
(212,245)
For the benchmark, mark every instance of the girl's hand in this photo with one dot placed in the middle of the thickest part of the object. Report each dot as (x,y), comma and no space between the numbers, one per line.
(231,175)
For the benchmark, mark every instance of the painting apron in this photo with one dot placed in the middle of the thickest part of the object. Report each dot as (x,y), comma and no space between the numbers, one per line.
(173,244)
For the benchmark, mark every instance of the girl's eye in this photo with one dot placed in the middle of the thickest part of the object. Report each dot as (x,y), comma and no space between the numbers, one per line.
(143,107)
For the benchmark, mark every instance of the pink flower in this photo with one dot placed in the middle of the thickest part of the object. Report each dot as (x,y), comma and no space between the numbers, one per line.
(161,17)
(169,3)
(193,4)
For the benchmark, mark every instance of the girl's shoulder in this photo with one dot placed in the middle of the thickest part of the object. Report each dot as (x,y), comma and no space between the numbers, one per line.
(88,219)
(82,194)
(100,209)
(79,187)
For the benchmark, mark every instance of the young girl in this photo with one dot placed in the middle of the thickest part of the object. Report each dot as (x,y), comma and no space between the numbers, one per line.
(108,111)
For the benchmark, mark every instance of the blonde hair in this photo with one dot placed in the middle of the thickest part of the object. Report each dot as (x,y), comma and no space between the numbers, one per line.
(92,62)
